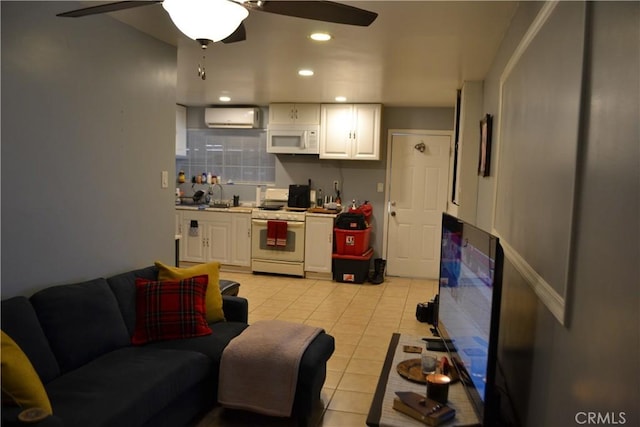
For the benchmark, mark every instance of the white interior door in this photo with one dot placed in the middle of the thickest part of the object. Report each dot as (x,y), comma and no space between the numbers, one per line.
(418,177)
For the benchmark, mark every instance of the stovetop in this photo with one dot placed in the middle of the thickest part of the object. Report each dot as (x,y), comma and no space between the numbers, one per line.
(275,207)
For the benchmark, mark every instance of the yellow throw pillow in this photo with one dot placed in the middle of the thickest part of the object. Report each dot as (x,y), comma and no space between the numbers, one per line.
(213,298)
(20,381)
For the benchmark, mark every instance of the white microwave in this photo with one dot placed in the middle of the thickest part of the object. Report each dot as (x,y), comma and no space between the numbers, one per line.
(289,139)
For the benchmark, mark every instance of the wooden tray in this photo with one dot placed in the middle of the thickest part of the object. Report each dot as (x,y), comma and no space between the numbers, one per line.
(412,370)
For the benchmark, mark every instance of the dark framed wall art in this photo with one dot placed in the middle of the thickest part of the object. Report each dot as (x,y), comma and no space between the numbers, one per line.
(484,159)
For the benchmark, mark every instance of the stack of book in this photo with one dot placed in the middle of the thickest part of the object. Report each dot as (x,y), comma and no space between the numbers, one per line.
(422,409)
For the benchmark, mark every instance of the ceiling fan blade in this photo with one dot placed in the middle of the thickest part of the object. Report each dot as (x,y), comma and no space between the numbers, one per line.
(327,11)
(240,34)
(106,8)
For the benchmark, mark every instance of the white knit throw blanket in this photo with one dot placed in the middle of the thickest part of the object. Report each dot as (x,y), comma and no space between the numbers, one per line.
(259,368)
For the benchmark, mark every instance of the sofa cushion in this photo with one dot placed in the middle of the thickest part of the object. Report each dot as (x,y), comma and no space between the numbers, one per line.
(20,381)
(20,322)
(125,387)
(214,297)
(124,288)
(170,309)
(81,321)
(211,346)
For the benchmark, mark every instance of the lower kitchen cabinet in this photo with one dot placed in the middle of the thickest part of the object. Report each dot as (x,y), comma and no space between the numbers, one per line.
(318,245)
(216,236)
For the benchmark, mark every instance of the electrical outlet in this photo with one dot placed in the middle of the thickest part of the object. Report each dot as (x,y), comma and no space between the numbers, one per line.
(336,185)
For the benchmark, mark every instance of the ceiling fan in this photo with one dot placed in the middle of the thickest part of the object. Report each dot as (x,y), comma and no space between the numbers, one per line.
(230,28)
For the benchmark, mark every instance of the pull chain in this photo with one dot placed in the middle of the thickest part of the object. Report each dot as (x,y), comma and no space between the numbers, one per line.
(202,73)
(201,70)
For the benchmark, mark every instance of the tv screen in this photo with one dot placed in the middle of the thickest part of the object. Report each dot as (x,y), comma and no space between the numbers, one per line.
(469,307)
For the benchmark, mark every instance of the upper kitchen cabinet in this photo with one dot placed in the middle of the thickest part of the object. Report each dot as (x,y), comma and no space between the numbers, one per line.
(294,114)
(350,131)
(181,131)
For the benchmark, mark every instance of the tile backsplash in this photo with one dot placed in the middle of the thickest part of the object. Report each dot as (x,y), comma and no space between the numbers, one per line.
(237,155)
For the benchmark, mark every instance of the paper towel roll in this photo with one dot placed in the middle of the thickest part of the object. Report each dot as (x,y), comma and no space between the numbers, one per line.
(258,194)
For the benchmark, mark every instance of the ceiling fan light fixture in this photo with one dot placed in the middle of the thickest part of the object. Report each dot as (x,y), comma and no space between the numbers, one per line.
(212,20)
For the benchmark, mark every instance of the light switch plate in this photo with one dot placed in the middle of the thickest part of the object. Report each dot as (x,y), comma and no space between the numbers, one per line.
(380,187)
(165,179)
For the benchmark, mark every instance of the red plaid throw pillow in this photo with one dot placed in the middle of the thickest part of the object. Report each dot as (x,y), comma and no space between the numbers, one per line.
(170,309)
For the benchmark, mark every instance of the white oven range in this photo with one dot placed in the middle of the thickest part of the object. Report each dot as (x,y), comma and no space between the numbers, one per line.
(286,256)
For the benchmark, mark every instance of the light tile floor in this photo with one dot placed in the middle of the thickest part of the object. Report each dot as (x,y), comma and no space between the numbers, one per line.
(361,318)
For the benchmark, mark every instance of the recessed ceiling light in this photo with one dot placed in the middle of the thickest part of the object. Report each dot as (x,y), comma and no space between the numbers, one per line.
(224,99)
(320,37)
(341,98)
(305,73)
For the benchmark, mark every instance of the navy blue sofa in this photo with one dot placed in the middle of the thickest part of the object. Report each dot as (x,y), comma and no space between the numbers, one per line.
(77,337)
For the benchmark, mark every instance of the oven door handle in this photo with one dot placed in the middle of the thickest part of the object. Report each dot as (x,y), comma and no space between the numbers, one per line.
(290,224)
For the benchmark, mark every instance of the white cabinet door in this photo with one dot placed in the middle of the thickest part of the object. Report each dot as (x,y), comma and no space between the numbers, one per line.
(307,114)
(299,114)
(350,131)
(281,114)
(335,132)
(218,237)
(192,244)
(241,239)
(181,131)
(178,222)
(366,137)
(318,244)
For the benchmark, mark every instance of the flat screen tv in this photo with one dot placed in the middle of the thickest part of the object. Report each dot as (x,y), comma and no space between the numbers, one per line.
(468,309)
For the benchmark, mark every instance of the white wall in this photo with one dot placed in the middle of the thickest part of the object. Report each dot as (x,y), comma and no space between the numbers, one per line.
(88,123)
(557,372)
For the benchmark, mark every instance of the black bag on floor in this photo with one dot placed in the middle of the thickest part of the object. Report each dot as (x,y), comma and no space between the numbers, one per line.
(351,221)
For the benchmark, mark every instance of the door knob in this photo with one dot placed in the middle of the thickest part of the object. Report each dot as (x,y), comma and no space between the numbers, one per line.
(393,213)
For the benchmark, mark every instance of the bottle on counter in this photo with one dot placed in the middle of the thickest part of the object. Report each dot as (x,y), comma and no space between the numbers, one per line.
(203,180)
(209,181)
(181,177)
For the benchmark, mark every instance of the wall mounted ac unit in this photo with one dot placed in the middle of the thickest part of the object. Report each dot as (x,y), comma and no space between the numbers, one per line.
(233,117)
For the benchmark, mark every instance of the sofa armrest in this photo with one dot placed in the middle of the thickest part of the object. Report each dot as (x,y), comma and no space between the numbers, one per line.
(236,309)
(10,418)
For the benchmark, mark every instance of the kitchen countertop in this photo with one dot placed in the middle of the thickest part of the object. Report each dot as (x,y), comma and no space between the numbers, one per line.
(323,214)
(248,209)
(237,209)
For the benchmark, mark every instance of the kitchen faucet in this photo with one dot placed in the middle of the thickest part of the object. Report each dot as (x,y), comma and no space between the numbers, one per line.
(220,200)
